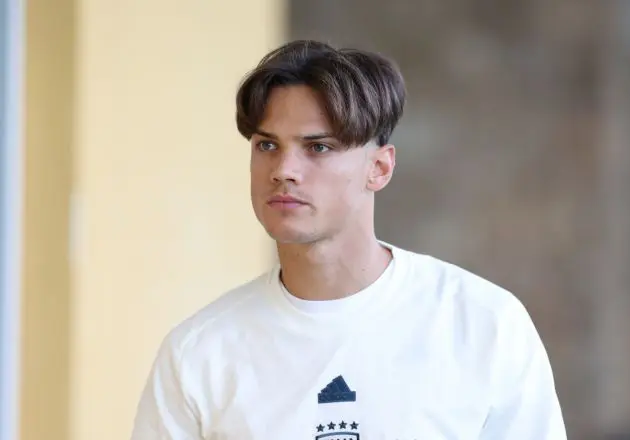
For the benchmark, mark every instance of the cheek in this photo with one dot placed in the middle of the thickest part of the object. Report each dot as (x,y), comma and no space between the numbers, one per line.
(258,191)
(345,192)
(258,174)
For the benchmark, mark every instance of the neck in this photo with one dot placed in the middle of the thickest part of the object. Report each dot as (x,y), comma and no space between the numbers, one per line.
(332,269)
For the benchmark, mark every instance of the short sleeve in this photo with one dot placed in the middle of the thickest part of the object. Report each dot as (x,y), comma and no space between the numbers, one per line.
(165,411)
(526,405)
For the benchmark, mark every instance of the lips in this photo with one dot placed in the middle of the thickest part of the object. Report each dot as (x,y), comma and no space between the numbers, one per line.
(285,201)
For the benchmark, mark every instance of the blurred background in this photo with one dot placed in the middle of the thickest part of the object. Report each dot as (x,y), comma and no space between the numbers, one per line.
(125,194)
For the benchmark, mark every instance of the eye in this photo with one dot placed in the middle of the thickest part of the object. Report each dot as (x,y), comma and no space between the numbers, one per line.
(266,146)
(320,148)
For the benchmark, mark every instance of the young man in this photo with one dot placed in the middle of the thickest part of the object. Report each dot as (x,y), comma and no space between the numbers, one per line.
(348,337)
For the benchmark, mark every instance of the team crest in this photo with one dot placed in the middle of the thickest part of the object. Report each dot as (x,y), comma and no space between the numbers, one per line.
(337,431)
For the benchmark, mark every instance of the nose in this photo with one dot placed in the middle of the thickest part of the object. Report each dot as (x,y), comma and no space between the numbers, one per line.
(288,168)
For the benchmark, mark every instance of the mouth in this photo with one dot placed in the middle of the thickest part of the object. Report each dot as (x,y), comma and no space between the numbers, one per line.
(285,202)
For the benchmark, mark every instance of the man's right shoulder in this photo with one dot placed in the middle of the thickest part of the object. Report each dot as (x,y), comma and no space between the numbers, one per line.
(219,315)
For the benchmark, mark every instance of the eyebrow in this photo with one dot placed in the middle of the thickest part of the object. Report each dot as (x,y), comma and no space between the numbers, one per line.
(309,137)
(317,136)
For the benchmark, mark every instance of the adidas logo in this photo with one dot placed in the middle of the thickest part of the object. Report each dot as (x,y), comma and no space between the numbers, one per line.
(336,391)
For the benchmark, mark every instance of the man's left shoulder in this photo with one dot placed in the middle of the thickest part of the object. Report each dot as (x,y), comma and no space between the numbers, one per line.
(452,285)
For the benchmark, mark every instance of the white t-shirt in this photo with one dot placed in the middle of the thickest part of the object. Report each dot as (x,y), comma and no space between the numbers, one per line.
(428,351)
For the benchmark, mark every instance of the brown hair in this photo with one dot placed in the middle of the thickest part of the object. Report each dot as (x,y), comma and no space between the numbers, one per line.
(363,93)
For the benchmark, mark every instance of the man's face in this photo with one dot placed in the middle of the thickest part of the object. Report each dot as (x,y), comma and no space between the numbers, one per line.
(305,185)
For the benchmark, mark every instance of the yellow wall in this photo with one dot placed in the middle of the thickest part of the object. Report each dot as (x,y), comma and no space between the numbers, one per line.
(158,180)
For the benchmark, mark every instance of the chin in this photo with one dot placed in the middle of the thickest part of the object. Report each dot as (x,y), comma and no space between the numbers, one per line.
(283,234)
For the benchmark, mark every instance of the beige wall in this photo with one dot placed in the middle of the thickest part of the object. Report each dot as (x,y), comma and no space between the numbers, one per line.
(158,180)
(46,295)
(45,314)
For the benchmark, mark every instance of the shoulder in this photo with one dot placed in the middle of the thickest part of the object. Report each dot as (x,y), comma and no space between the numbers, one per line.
(475,304)
(477,320)
(224,313)
(449,281)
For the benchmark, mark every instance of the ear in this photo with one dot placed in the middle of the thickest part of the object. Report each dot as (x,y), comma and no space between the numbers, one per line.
(382,165)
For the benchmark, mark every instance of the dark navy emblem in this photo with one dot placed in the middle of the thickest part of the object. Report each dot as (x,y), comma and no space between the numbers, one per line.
(336,391)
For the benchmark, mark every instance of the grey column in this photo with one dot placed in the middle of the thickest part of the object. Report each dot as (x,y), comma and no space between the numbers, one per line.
(10,208)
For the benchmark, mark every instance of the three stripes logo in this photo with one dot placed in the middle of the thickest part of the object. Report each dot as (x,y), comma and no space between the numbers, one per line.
(336,391)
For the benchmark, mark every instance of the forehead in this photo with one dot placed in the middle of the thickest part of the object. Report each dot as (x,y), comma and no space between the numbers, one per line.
(294,109)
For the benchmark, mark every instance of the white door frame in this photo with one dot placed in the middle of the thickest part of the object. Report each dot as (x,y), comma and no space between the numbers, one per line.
(11,195)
